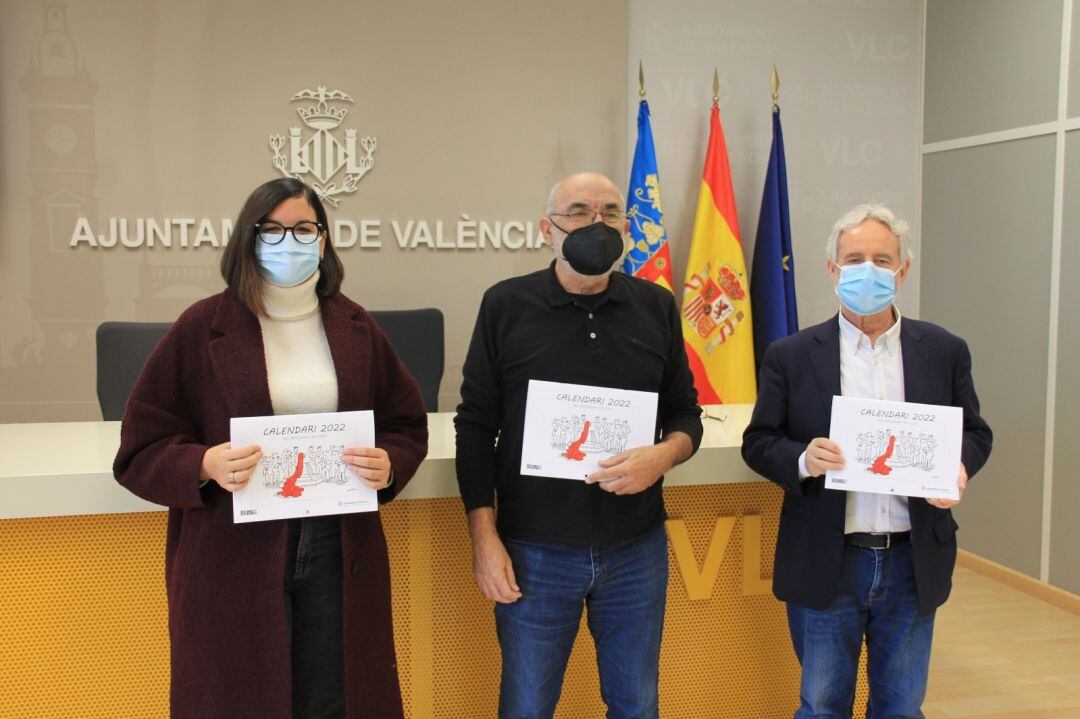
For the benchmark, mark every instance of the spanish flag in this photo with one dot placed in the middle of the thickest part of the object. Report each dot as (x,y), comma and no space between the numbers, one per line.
(717,326)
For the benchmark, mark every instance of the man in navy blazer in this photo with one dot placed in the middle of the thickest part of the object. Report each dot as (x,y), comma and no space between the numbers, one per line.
(853,565)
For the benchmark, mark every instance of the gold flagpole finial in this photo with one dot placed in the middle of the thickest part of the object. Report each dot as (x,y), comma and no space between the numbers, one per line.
(641,79)
(715,88)
(774,81)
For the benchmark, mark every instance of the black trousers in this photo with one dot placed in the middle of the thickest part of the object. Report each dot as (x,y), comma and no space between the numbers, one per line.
(313,600)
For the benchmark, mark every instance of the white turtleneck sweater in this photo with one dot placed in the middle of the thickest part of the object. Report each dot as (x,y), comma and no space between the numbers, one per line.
(299,367)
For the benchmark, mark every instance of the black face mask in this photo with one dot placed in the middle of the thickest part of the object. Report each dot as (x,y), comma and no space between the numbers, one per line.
(593,249)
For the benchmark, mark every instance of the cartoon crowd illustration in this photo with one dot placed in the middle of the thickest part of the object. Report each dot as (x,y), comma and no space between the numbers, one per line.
(902,449)
(291,470)
(576,436)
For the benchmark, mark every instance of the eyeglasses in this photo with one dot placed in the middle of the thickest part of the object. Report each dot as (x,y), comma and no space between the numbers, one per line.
(582,217)
(271,233)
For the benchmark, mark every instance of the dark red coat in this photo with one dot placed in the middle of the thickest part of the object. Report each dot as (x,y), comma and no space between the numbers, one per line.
(225,582)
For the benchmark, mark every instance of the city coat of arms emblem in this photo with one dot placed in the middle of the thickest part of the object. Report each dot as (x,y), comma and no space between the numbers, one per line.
(319,158)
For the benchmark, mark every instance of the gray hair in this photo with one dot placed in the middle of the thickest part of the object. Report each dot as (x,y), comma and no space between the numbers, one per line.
(856,216)
(550,206)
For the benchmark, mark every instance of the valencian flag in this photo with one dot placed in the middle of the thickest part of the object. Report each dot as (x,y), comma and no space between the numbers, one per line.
(649,257)
(717,325)
(772,277)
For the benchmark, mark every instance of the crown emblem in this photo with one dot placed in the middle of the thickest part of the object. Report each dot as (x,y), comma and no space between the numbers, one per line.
(321,116)
(323,156)
(731,283)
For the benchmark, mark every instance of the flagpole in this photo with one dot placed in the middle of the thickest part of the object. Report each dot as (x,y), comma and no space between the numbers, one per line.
(715,89)
(774,82)
(641,79)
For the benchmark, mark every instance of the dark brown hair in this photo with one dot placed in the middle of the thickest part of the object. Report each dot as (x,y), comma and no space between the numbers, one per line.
(240,266)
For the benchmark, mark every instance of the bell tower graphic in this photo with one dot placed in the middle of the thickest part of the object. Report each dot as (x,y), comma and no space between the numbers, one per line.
(67,292)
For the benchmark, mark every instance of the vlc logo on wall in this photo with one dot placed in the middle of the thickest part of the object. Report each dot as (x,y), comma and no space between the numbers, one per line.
(322,155)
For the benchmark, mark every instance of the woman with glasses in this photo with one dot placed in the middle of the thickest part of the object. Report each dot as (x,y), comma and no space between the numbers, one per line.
(281,618)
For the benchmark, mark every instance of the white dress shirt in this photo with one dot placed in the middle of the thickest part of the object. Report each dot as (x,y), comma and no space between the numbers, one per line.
(871,372)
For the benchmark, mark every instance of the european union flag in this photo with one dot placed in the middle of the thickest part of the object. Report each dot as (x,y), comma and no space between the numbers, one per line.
(649,256)
(772,278)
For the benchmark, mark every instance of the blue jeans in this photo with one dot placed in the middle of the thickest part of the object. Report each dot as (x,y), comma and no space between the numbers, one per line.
(313,598)
(624,588)
(876,600)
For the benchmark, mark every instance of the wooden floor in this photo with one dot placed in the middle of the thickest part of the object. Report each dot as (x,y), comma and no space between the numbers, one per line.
(1002,654)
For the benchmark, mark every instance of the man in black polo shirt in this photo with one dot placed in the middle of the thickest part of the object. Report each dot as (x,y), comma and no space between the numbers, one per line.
(558,545)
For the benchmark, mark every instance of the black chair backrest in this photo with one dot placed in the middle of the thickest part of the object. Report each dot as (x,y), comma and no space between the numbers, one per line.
(419,340)
(123,347)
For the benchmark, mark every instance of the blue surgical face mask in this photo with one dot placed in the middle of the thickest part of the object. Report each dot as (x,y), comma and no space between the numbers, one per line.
(288,263)
(865,288)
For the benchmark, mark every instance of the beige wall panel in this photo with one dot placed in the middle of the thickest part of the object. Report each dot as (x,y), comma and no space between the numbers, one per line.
(851,106)
(1064,529)
(164,110)
(1074,64)
(990,65)
(987,219)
